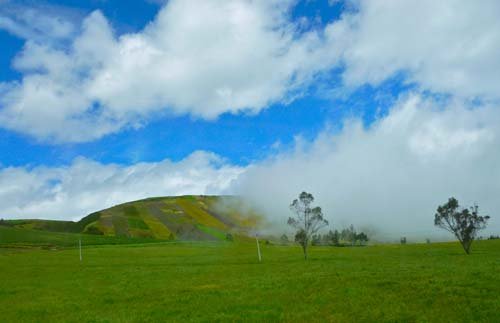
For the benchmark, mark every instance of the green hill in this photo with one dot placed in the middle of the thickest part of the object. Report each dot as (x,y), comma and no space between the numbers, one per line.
(198,218)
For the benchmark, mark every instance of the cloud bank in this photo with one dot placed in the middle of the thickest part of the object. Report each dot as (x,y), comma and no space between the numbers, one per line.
(85,186)
(388,178)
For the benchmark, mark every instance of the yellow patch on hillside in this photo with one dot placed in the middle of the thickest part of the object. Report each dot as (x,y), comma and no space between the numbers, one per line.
(159,230)
(240,214)
(200,216)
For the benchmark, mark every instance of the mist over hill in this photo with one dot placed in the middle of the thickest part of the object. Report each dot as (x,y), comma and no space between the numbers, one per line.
(207,218)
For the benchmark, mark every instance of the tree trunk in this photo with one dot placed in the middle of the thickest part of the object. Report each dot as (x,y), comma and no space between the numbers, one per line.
(305,251)
(466,246)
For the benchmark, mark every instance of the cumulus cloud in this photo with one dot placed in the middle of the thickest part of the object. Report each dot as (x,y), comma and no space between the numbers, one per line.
(389,178)
(199,58)
(86,186)
(213,57)
(446,46)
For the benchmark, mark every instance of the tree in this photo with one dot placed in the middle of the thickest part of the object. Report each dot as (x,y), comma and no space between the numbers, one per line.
(349,235)
(352,235)
(403,240)
(331,238)
(307,221)
(362,238)
(463,223)
(284,239)
(316,239)
(327,238)
(336,238)
(344,235)
(229,237)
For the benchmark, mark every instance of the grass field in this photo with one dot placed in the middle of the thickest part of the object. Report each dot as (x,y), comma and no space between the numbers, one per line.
(217,281)
(25,238)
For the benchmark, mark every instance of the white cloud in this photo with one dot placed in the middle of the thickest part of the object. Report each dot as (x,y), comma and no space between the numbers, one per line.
(86,186)
(212,57)
(391,176)
(37,22)
(446,46)
(199,58)
(388,178)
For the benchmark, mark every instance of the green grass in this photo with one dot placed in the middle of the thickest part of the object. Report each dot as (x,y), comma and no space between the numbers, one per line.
(130,211)
(137,223)
(213,232)
(211,282)
(15,237)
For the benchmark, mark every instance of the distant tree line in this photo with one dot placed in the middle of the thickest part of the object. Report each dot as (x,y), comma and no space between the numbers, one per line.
(5,223)
(346,237)
(491,237)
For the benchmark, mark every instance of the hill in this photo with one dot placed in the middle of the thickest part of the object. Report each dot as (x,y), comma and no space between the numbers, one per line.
(205,218)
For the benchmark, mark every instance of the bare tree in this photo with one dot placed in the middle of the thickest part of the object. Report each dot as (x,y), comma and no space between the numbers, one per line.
(308,219)
(464,223)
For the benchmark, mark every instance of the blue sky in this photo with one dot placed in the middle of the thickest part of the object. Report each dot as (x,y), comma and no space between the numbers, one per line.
(106,101)
(241,138)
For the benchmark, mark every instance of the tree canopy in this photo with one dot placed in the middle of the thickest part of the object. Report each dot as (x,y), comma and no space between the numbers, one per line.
(463,223)
(307,221)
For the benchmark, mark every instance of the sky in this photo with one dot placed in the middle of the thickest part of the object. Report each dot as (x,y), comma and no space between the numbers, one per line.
(381,109)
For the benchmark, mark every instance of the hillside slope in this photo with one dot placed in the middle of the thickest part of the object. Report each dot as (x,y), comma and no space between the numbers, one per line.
(160,218)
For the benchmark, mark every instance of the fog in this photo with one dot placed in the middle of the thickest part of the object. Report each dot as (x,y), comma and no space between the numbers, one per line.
(388,179)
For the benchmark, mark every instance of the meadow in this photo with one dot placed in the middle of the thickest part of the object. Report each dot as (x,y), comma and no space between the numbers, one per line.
(223,281)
